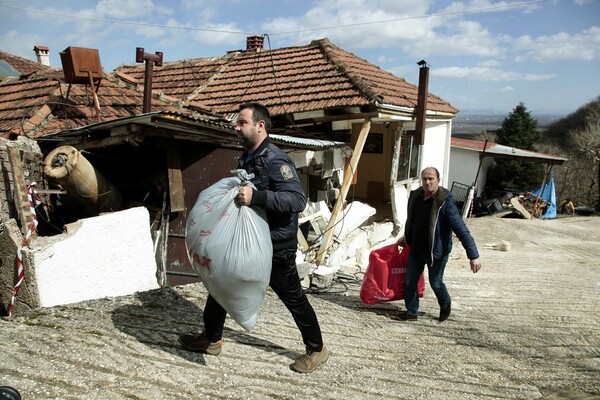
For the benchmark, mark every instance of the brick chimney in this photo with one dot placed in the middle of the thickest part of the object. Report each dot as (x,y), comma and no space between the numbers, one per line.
(255,43)
(43,55)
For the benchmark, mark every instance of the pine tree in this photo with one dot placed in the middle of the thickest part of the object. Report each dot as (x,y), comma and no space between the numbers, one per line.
(518,130)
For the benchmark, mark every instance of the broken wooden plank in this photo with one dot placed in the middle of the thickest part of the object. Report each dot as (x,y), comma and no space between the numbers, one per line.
(176,191)
(20,191)
(519,208)
(348,178)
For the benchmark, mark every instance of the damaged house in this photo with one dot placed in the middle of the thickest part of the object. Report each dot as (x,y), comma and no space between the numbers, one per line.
(357,134)
(470,163)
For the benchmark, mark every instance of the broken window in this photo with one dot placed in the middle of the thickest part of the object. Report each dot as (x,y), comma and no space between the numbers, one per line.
(410,153)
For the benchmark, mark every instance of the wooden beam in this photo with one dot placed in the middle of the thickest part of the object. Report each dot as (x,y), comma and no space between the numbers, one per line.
(176,191)
(348,177)
(331,118)
(20,190)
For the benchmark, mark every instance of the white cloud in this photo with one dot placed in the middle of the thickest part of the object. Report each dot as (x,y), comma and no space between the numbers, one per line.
(20,44)
(360,23)
(128,10)
(485,73)
(467,38)
(562,46)
(507,89)
(389,24)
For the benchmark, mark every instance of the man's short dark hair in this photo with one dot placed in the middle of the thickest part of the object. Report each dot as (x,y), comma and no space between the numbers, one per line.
(259,113)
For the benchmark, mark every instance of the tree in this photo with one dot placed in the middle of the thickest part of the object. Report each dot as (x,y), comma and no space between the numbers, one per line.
(577,138)
(587,146)
(518,130)
(560,132)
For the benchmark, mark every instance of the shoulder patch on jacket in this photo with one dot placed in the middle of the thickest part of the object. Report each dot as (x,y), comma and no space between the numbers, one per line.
(286,172)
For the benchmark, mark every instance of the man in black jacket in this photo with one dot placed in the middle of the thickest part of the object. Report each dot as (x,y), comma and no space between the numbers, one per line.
(431,219)
(279,193)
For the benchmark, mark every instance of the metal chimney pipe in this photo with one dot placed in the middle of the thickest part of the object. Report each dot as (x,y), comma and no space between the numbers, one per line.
(421,110)
(150,60)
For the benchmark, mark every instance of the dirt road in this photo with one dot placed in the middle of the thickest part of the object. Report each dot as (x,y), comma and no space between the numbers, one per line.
(526,327)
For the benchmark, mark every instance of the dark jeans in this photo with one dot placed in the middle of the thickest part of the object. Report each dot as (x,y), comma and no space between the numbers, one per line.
(285,282)
(414,268)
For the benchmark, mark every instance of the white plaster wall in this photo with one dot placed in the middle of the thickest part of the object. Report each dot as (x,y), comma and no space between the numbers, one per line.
(109,255)
(434,151)
(463,168)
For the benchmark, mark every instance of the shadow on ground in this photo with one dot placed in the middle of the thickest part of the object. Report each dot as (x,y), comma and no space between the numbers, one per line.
(164,314)
(346,293)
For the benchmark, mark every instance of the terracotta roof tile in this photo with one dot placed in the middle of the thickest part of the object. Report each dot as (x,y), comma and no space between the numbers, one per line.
(24,104)
(294,79)
(22,65)
(318,76)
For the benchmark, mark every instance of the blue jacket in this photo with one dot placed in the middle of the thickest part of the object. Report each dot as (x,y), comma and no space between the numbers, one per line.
(443,220)
(278,191)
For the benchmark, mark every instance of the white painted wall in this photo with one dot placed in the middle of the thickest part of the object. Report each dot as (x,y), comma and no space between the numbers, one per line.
(109,255)
(463,168)
(435,151)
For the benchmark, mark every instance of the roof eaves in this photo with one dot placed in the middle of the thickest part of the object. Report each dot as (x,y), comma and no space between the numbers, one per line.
(327,48)
(305,143)
(410,112)
(175,124)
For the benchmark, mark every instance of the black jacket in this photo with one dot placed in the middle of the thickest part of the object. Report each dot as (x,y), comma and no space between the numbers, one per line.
(444,220)
(278,191)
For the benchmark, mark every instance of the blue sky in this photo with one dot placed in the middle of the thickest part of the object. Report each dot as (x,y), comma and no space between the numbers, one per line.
(482,54)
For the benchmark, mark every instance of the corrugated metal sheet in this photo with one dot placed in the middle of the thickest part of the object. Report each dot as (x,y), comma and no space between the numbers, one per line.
(307,143)
(495,149)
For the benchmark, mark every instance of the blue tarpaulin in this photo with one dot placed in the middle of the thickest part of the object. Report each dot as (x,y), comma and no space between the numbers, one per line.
(549,196)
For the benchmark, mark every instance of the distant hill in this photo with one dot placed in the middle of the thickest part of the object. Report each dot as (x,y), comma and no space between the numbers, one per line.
(471,122)
(496,112)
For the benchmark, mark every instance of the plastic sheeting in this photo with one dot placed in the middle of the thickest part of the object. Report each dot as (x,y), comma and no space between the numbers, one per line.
(548,194)
(230,248)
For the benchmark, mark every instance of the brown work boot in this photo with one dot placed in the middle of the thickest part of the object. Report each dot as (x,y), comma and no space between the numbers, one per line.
(200,344)
(310,361)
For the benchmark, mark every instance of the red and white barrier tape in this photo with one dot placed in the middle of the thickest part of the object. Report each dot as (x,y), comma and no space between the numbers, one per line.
(31,197)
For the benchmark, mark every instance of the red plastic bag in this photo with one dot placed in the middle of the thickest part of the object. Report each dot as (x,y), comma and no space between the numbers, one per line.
(384,279)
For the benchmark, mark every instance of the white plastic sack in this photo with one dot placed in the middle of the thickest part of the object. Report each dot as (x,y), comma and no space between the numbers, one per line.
(230,248)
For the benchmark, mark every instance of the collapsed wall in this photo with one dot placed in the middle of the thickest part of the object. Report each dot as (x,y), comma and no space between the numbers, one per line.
(105,255)
(21,162)
(29,170)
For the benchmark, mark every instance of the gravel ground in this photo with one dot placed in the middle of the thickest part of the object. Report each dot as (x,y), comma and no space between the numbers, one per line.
(527,326)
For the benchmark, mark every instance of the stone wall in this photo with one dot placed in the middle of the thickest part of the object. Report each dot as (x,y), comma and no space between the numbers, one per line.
(11,229)
(32,159)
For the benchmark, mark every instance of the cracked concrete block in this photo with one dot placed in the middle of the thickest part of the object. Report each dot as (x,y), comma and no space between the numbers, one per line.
(322,276)
(108,255)
(378,232)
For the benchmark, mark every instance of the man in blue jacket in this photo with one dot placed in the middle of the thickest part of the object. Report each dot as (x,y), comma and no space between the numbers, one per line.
(431,219)
(279,193)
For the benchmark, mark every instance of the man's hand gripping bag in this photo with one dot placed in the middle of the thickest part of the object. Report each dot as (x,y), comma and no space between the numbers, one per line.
(230,248)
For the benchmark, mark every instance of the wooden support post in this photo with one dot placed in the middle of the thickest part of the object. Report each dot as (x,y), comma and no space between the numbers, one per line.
(94,96)
(176,193)
(20,190)
(348,177)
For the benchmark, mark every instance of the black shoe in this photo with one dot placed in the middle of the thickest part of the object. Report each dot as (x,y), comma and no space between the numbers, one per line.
(406,316)
(444,313)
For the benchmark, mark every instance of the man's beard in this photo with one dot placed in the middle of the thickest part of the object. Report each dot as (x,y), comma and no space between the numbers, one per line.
(246,142)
